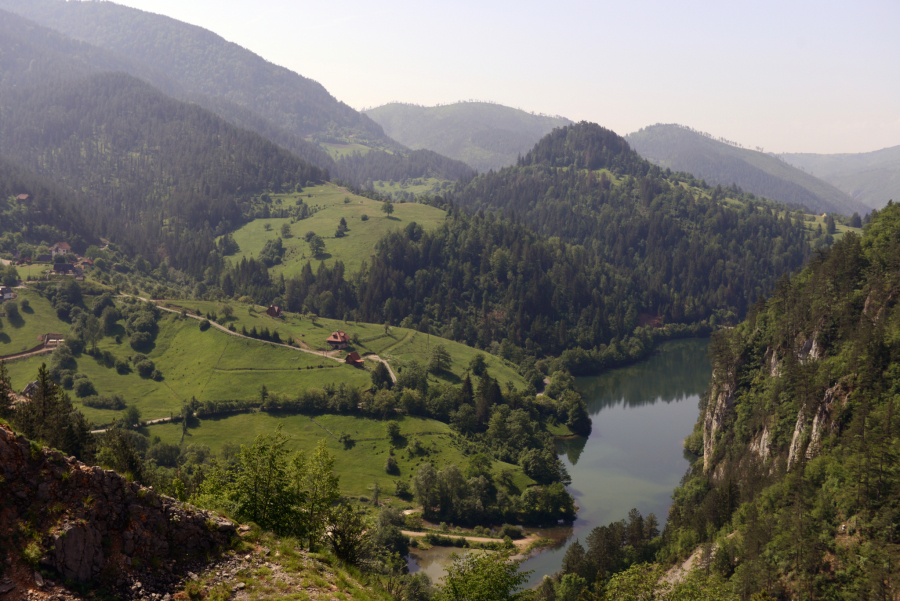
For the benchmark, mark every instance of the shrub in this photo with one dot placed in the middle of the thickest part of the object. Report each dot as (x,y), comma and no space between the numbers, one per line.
(11,308)
(156,375)
(508,530)
(25,304)
(390,466)
(145,368)
(115,402)
(204,325)
(122,366)
(364,217)
(140,340)
(66,380)
(84,388)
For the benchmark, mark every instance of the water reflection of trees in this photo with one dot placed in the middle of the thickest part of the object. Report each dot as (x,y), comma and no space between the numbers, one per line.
(572,448)
(678,370)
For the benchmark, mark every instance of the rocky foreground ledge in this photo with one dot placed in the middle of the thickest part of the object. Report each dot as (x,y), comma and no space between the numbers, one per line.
(91,525)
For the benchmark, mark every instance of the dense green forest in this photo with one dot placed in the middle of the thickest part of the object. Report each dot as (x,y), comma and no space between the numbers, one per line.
(484,135)
(682,255)
(870,177)
(796,495)
(51,214)
(722,163)
(152,168)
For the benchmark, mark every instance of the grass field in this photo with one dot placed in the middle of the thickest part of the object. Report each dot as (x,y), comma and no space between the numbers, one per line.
(340,150)
(354,248)
(431,185)
(23,332)
(398,348)
(360,465)
(209,365)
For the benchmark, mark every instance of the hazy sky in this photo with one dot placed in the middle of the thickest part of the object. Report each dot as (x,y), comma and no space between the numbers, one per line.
(789,76)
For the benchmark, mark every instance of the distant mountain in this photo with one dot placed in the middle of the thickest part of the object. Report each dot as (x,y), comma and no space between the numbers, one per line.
(869,177)
(681,149)
(483,135)
(203,63)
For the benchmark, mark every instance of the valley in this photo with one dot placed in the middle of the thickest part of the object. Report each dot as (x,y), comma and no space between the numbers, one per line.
(337,346)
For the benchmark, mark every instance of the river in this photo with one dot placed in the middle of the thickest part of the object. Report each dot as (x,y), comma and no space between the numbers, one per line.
(634,456)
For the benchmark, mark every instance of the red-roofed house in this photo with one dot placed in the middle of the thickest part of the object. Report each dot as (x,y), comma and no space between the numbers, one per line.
(354,359)
(338,340)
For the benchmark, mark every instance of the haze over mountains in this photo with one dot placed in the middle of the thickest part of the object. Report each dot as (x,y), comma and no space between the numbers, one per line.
(870,177)
(482,134)
(682,149)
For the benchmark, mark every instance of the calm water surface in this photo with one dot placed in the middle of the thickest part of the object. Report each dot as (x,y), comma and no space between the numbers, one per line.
(634,455)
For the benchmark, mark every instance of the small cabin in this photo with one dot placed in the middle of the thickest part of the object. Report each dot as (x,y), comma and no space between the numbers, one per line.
(23,197)
(64,268)
(52,339)
(274,311)
(60,248)
(7,293)
(338,340)
(354,359)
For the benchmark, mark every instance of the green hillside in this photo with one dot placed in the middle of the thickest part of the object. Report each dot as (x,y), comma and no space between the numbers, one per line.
(359,464)
(203,63)
(354,247)
(482,135)
(681,149)
(869,177)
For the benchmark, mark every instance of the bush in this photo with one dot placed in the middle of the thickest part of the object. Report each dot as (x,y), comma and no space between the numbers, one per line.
(364,217)
(122,366)
(11,309)
(156,375)
(145,368)
(25,304)
(140,340)
(391,467)
(508,530)
(66,380)
(204,325)
(84,388)
(115,402)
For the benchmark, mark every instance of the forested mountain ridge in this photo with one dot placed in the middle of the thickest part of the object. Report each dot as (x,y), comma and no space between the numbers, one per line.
(483,135)
(799,432)
(151,167)
(681,149)
(204,63)
(686,257)
(870,177)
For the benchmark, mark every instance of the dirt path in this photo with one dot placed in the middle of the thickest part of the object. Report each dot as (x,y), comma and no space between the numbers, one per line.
(43,351)
(396,344)
(522,543)
(386,364)
(230,333)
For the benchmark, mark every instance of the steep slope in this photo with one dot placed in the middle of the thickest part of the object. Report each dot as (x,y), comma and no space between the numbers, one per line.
(869,177)
(148,165)
(799,432)
(655,238)
(203,63)
(485,136)
(681,149)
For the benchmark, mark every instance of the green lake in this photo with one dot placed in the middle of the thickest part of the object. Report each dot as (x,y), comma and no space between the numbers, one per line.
(634,456)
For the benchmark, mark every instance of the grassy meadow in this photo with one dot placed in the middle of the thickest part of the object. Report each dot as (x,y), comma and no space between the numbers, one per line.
(414,186)
(353,248)
(398,348)
(210,365)
(341,150)
(24,332)
(358,464)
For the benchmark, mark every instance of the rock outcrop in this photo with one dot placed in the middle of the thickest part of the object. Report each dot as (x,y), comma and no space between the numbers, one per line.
(721,398)
(89,521)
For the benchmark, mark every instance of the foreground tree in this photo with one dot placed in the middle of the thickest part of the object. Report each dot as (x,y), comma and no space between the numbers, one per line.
(484,577)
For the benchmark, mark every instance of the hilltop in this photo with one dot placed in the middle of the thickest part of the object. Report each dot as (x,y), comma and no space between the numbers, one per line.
(483,135)
(869,177)
(202,63)
(681,149)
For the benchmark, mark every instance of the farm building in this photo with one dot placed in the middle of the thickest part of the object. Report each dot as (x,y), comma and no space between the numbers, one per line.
(338,340)
(274,311)
(354,359)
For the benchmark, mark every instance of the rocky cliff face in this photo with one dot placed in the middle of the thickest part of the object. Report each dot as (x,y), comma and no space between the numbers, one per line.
(87,523)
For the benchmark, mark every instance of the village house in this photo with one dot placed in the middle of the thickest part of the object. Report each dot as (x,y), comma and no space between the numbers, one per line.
(7,293)
(23,197)
(64,269)
(354,359)
(60,248)
(274,311)
(31,388)
(338,340)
